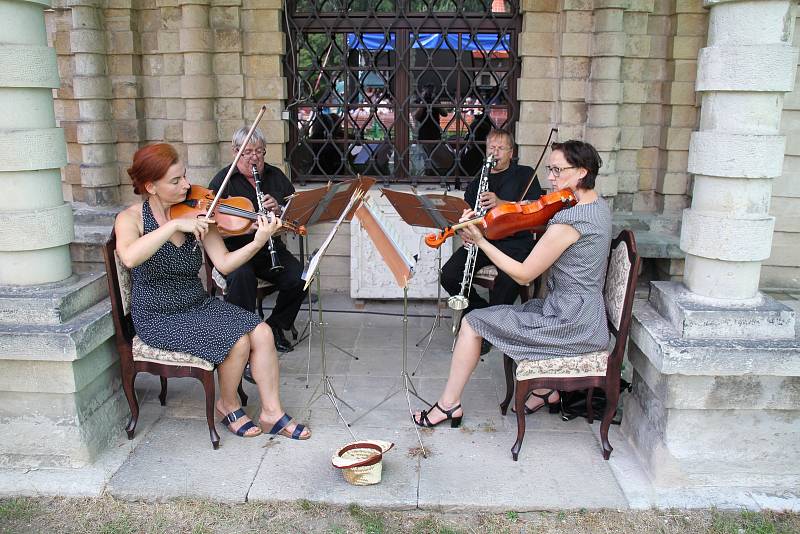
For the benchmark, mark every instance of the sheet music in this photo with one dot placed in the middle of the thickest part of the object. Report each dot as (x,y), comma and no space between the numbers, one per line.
(313,263)
(386,238)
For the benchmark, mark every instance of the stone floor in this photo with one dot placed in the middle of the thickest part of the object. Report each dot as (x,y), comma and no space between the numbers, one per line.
(560,466)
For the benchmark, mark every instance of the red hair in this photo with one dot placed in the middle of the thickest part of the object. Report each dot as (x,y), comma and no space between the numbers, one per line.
(151,163)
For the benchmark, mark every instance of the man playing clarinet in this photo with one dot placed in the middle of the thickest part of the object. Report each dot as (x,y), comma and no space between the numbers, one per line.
(285,273)
(507,183)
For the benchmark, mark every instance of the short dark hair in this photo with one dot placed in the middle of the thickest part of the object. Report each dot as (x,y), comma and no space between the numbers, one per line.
(581,155)
(502,134)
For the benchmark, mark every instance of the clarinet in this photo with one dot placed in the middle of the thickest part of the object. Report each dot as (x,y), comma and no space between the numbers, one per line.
(276,264)
(458,303)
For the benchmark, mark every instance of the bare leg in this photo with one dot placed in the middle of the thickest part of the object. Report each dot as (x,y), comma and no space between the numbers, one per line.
(466,355)
(230,374)
(266,372)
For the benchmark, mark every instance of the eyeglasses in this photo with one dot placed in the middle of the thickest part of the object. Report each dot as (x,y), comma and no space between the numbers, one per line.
(499,148)
(557,170)
(250,153)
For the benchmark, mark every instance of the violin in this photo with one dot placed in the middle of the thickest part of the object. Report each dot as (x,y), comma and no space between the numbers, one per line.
(233,215)
(508,219)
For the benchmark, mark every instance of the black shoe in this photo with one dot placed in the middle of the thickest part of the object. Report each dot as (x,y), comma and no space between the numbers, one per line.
(248,374)
(485,347)
(281,343)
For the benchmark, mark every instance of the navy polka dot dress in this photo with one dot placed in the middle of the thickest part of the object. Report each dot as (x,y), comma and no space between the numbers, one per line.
(572,319)
(172,311)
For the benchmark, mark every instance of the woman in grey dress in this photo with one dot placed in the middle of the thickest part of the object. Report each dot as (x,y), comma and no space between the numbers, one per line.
(170,308)
(571,320)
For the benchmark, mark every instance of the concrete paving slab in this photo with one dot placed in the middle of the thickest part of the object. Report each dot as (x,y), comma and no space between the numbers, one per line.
(556,470)
(176,460)
(89,481)
(292,470)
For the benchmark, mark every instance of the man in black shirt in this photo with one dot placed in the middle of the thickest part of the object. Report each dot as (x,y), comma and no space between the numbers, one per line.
(507,181)
(275,187)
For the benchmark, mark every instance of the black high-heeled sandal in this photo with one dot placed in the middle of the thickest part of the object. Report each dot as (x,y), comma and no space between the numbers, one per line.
(553,407)
(424,422)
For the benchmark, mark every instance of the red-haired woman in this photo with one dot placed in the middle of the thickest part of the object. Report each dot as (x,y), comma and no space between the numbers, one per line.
(169,306)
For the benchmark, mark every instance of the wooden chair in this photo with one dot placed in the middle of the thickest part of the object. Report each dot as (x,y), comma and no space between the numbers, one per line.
(135,356)
(585,371)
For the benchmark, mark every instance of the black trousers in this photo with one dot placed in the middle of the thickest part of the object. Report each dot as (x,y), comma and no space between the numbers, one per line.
(242,285)
(505,288)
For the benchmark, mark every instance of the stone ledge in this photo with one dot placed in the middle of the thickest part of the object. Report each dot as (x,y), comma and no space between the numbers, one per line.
(696,318)
(671,354)
(50,304)
(64,342)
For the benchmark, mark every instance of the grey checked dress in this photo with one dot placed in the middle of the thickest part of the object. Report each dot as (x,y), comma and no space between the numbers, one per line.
(571,320)
(172,311)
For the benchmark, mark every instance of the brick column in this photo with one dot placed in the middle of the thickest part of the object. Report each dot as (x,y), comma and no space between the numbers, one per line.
(198,89)
(35,222)
(92,90)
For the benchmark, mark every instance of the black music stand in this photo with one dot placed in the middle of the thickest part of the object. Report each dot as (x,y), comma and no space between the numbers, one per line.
(428,211)
(316,206)
(324,386)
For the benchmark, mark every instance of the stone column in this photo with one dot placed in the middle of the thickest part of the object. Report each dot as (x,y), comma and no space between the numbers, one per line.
(35,222)
(59,376)
(716,363)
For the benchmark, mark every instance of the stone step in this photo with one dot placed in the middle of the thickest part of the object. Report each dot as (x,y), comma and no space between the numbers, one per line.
(51,304)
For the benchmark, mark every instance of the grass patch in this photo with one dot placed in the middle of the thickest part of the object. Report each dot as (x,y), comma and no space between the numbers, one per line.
(746,522)
(17,509)
(371,522)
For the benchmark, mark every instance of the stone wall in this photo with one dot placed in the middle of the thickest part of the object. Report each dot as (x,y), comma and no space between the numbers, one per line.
(618,73)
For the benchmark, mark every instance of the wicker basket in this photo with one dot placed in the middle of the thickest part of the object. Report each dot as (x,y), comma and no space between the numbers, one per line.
(361,462)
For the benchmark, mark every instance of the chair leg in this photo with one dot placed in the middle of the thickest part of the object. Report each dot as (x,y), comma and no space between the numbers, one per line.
(612,398)
(523,388)
(508,367)
(589,407)
(162,397)
(207,378)
(133,402)
(260,306)
(242,394)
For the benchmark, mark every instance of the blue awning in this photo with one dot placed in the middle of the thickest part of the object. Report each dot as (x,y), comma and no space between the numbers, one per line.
(486,42)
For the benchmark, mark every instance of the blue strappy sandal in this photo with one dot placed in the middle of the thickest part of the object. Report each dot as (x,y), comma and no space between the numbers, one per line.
(282,423)
(242,430)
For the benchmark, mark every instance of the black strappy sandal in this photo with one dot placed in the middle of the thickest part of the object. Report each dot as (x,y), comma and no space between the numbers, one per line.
(553,407)
(424,422)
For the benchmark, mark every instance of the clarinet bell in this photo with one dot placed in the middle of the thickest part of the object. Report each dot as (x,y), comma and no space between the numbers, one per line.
(276,264)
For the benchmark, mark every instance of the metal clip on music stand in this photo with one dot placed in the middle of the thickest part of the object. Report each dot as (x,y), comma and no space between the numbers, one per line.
(428,211)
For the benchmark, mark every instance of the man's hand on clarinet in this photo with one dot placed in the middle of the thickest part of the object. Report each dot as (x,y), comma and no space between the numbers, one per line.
(489,200)
(270,204)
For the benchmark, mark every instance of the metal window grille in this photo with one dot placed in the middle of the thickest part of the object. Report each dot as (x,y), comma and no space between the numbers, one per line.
(402,90)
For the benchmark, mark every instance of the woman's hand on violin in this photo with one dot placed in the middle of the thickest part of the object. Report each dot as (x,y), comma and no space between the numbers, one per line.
(471,234)
(197,226)
(266,229)
(467,215)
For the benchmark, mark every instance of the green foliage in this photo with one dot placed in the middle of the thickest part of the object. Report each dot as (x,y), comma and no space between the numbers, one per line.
(746,522)
(124,524)
(372,523)
(16,509)
(512,516)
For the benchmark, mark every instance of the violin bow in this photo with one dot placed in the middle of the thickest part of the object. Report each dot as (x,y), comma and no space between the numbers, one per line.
(536,168)
(235,160)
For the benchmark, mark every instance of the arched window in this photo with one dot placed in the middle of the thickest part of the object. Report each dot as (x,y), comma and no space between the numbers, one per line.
(401,90)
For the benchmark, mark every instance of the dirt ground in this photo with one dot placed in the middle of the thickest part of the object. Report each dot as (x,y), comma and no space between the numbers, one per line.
(110,516)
